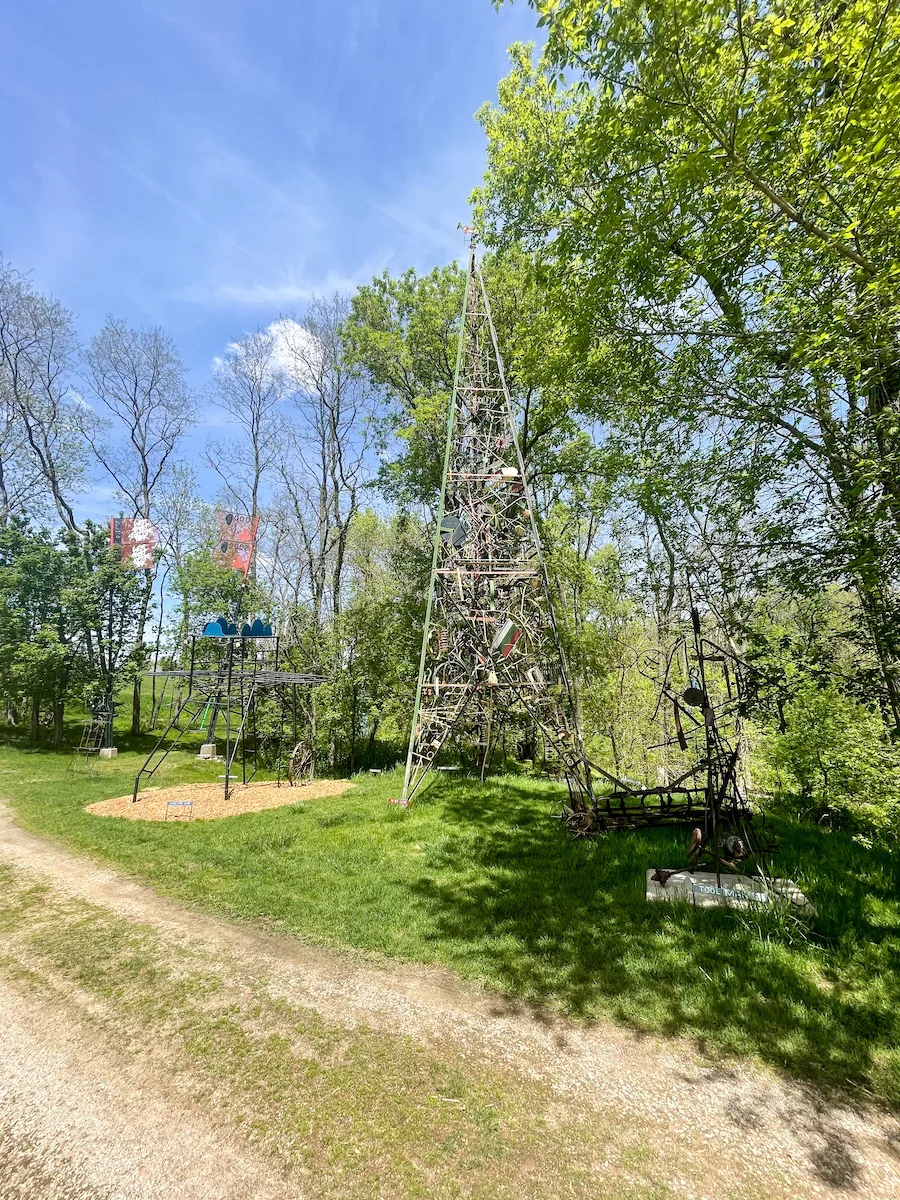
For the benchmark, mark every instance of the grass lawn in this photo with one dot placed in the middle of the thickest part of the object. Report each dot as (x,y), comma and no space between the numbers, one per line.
(482,880)
(355,1112)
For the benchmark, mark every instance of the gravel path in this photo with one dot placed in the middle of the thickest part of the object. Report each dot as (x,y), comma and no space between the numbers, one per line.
(78,1122)
(737,1122)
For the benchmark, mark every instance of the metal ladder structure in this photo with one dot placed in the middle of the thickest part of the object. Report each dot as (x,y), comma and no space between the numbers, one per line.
(226,678)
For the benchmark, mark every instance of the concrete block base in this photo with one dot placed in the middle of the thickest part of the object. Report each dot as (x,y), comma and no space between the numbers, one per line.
(108,752)
(208,750)
(701,889)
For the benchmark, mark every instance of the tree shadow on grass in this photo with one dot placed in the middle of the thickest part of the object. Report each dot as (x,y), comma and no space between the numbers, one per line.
(564,923)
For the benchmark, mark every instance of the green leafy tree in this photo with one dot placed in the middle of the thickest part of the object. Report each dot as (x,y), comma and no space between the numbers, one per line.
(205,590)
(403,333)
(36,645)
(370,652)
(707,189)
(103,603)
(834,756)
(69,618)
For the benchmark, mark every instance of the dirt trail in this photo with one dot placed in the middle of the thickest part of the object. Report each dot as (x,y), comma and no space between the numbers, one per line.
(79,1122)
(775,1136)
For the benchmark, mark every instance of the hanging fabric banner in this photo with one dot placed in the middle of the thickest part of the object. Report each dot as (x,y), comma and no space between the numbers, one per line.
(237,541)
(136,538)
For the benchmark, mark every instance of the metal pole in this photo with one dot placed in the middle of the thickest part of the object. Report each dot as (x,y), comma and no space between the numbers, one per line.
(108,723)
(230,661)
(451,417)
(244,721)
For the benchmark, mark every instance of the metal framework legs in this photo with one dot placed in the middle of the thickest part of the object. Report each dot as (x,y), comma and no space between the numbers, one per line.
(490,640)
(227,678)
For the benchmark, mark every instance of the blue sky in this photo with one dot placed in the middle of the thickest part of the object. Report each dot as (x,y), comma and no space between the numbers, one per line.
(206,166)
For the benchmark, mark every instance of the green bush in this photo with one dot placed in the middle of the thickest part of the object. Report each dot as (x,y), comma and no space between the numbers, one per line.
(836,758)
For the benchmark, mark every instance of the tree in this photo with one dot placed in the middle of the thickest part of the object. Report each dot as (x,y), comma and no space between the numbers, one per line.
(185,523)
(38,436)
(205,590)
(138,378)
(104,606)
(68,620)
(402,332)
(37,647)
(709,203)
(250,386)
(22,490)
(369,652)
(325,463)
(833,755)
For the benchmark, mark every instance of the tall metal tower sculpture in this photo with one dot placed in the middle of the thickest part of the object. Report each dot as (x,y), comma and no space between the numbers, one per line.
(490,641)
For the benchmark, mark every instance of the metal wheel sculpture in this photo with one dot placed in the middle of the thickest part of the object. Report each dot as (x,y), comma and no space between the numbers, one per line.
(701,685)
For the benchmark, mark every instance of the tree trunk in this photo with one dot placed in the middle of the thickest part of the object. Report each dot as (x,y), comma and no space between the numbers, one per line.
(373,733)
(59,709)
(4,498)
(157,703)
(868,570)
(142,621)
(312,736)
(35,718)
(136,708)
(353,718)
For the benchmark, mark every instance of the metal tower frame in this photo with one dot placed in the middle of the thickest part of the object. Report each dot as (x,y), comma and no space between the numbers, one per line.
(232,665)
(490,641)
(224,682)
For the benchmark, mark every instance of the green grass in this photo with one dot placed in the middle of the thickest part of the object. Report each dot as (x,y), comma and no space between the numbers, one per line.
(482,880)
(357,1112)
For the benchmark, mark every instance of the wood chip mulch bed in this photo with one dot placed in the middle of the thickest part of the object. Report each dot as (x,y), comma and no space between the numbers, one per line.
(209,800)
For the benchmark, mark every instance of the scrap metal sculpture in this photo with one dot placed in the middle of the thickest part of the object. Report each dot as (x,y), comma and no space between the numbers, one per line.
(229,673)
(231,668)
(700,684)
(490,642)
(96,732)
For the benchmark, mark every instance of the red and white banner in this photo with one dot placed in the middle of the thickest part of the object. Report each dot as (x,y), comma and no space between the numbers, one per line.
(237,541)
(136,537)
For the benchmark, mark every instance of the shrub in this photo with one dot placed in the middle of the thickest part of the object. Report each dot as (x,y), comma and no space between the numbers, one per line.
(835,756)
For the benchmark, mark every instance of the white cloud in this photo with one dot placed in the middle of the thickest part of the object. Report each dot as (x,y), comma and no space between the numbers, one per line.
(78,400)
(297,353)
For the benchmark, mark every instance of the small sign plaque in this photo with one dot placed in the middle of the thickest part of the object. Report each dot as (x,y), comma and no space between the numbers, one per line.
(706,889)
(703,889)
